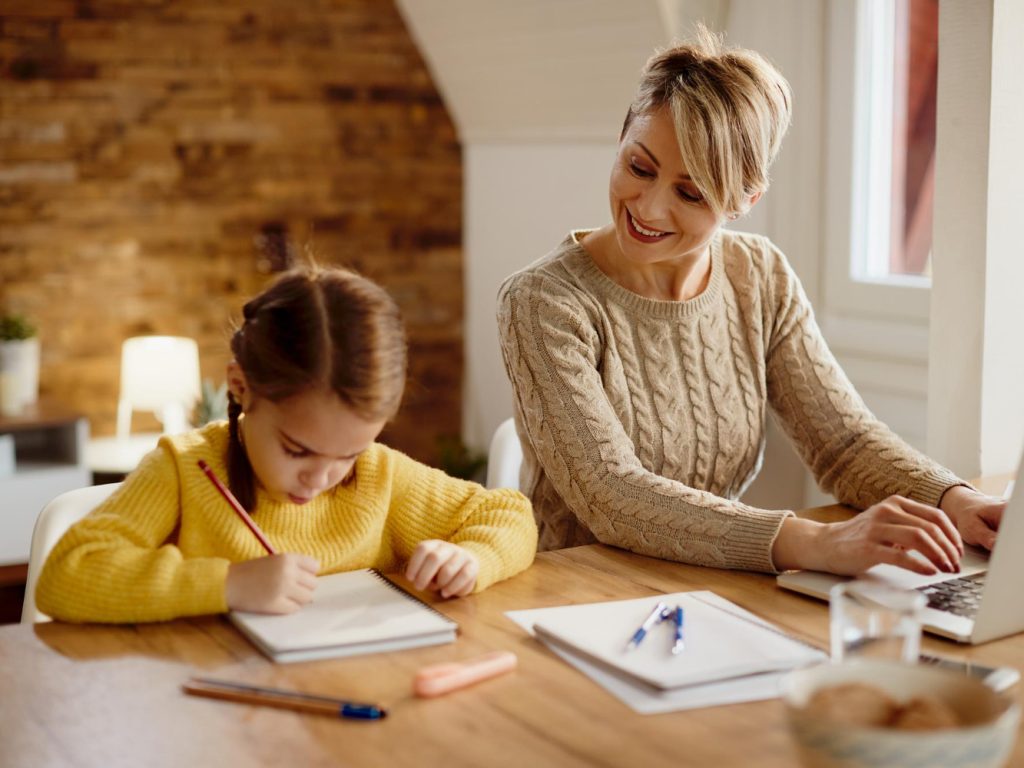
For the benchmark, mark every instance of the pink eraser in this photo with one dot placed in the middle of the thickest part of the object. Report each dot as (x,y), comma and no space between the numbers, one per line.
(439,679)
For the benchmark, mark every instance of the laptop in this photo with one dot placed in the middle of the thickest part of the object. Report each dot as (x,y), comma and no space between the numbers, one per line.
(979,604)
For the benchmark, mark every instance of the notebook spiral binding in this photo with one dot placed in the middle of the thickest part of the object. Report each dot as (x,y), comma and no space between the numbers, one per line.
(411,596)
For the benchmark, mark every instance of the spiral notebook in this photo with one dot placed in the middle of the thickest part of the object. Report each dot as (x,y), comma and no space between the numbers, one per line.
(352,613)
(721,642)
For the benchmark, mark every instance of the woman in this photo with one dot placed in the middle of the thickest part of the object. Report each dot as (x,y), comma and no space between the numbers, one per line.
(644,356)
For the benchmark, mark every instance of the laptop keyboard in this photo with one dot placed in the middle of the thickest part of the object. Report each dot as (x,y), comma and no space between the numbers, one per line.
(960,596)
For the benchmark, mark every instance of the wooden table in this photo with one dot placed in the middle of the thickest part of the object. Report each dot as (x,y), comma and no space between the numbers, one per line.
(110,696)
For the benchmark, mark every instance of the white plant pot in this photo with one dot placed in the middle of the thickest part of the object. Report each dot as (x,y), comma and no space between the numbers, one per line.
(19,375)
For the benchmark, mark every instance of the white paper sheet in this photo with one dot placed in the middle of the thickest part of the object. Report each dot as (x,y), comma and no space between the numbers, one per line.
(647,701)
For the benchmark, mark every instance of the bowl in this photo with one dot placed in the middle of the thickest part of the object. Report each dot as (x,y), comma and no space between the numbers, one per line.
(984,739)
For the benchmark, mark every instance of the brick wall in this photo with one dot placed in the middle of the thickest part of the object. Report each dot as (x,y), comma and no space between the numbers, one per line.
(159,159)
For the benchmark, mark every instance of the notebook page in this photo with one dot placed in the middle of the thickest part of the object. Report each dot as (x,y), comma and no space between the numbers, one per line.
(645,700)
(348,608)
(719,645)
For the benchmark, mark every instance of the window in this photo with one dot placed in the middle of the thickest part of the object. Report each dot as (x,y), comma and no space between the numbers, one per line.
(880,156)
(917,76)
(894,149)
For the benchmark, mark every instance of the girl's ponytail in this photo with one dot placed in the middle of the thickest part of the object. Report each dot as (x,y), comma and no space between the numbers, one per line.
(240,476)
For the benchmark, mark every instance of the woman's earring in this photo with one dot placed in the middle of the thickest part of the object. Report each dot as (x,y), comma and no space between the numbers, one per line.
(733,216)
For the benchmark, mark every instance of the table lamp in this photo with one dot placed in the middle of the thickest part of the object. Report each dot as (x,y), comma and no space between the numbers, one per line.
(158,374)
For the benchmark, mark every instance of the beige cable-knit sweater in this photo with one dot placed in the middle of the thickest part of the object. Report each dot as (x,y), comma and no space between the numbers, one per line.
(642,421)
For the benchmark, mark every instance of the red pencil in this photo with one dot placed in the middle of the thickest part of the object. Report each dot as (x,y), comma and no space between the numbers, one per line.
(237,507)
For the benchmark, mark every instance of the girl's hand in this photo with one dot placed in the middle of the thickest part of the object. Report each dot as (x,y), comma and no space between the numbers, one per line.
(976,515)
(443,567)
(280,583)
(884,533)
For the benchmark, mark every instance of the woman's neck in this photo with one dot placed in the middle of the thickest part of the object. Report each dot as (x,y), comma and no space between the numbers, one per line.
(672,280)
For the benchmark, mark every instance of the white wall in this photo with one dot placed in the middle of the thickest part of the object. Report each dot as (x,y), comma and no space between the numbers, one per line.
(535,70)
(976,412)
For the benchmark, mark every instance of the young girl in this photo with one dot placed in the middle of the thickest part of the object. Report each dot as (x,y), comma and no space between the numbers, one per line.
(318,369)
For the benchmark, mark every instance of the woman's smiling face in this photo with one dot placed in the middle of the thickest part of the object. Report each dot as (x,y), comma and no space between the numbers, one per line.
(658,212)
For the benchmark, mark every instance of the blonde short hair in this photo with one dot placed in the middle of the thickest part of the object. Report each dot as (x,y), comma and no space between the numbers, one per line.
(731,109)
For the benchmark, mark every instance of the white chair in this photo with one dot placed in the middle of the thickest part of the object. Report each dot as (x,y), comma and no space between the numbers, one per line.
(505,457)
(57,517)
(158,374)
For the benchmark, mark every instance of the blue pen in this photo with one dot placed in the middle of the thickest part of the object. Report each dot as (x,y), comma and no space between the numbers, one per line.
(653,618)
(678,646)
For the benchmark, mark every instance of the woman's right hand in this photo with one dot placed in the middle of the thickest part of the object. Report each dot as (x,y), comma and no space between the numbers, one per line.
(883,533)
(280,583)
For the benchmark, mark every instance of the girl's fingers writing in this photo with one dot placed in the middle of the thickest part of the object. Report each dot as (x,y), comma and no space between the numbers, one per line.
(307,580)
(291,605)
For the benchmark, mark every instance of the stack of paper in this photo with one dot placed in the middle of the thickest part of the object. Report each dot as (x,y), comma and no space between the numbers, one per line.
(730,655)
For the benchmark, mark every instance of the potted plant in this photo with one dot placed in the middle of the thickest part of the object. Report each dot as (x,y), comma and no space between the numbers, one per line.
(459,460)
(212,404)
(19,364)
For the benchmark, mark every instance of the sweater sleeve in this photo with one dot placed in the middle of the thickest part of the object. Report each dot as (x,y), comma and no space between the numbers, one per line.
(114,565)
(495,525)
(550,344)
(851,453)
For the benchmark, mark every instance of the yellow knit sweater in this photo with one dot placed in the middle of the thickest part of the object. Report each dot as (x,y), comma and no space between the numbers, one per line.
(160,546)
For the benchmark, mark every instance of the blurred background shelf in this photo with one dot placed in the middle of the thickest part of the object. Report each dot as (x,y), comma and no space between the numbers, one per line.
(49,443)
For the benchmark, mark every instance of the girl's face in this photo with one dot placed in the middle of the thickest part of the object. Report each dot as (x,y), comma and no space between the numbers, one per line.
(658,213)
(302,446)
